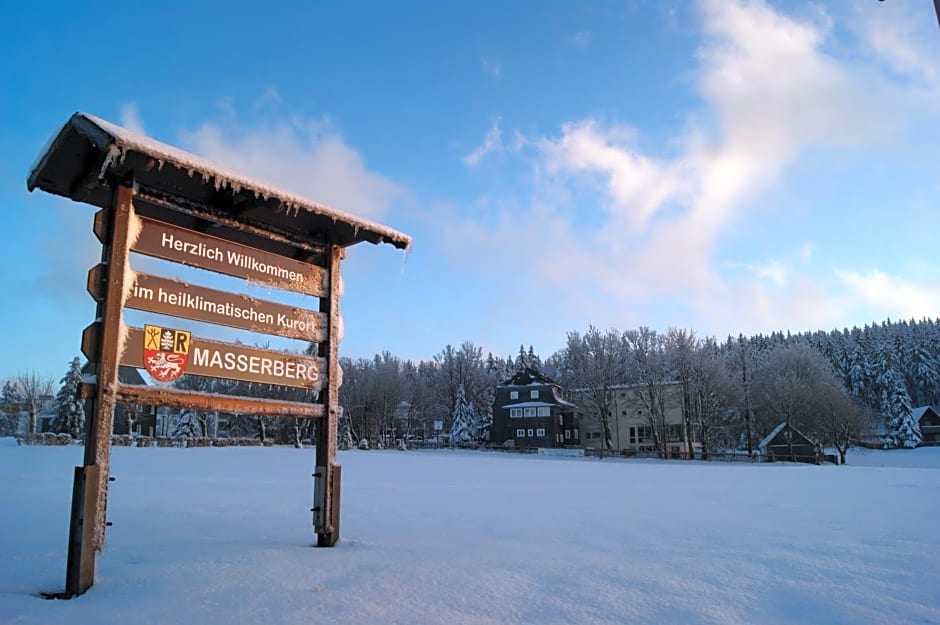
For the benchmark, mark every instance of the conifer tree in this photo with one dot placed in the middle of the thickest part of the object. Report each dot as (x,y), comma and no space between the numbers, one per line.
(70,414)
(461,432)
(187,426)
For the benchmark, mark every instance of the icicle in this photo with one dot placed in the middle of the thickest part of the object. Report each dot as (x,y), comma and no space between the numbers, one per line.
(114,154)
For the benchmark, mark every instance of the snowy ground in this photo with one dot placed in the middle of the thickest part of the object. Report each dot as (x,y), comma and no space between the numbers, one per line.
(222,536)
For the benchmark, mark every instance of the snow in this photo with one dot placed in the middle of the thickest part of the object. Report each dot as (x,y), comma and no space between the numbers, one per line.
(223,536)
(530,404)
(124,140)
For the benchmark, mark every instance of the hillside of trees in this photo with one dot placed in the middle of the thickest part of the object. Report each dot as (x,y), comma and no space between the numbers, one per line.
(834,386)
(831,385)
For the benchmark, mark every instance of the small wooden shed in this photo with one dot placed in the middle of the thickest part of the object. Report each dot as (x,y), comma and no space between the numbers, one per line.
(787,444)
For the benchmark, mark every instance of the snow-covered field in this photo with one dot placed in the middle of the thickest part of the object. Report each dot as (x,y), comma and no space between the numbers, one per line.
(223,536)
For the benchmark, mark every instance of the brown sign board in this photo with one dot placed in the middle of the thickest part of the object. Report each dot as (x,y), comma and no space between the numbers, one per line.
(100,226)
(179,299)
(96,281)
(188,247)
(91,341)
(215,359)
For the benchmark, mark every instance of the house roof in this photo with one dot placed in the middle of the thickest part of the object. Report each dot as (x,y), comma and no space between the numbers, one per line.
(528,376)
(777,430)
(88,155)
(919,412)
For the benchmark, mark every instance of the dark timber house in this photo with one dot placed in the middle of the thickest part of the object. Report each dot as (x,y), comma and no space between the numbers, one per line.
(530,410)
(929,421)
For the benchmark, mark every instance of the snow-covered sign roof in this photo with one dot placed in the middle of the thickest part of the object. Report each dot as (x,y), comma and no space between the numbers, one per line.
(88,155)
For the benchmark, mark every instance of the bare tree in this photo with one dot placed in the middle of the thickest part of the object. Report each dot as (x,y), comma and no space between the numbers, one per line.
(649,365)
(34,389)
(713,394)
(596,363)
(797,385)
(839,422)
(681,348)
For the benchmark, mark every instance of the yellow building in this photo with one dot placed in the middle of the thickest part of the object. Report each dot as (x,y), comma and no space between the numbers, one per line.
(638,422)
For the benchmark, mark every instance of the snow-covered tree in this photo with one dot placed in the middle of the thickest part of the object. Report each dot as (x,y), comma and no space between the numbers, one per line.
(10,405)
(902,429)
(187,426)
(70,414)
(462,428)
(11,396)
(344,437)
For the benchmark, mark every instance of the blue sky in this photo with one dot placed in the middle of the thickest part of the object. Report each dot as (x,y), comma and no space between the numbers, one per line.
(721,166)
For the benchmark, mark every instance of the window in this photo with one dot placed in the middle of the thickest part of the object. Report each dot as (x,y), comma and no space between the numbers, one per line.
(673,433)
(567,434)
(560,440)
(576,432)
(515,413)
(533,394)
(561,420)
(540,432)
(513,394)
(531,433)
(544,411)
(632,435)
(529,412)
(520,433)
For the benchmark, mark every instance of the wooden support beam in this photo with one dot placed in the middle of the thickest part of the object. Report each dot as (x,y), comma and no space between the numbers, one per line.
(87,532)
(232,404)
(326,505)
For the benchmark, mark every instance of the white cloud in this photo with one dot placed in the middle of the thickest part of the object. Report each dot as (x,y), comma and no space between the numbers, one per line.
(581,39)
(771,90)
(894,31)
(269,98)
(492,143)
(492,68)
(893,296)
(305,157)
(130,118)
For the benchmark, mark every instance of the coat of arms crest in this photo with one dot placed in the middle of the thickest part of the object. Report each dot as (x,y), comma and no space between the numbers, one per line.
(166,352)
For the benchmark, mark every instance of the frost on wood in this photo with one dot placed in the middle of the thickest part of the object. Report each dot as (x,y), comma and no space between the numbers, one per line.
(124,141)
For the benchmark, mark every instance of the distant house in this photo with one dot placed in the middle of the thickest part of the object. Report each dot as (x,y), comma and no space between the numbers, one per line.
(787,444)
(142,417)
(530,410)
(47,414)
(634,429)
(927,417)
(929,420)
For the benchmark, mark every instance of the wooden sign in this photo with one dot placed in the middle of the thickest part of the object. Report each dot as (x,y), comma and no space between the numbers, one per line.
(189,301)
(188,247)
(215,359)
(96,281)
(91,341)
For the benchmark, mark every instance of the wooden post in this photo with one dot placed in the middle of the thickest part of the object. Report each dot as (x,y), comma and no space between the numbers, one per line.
(87,527)
(326,490)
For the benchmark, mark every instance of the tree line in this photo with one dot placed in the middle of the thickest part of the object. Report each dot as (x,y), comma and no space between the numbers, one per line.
(831,385)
